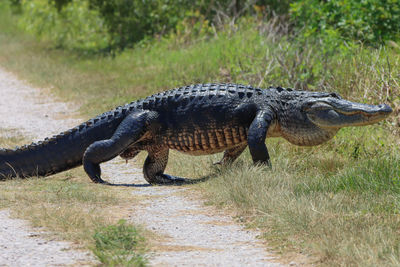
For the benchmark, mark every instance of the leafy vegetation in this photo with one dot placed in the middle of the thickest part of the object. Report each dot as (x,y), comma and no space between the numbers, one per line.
(75,26)
(369,21)
(99,25)
(338,202)
(109,26)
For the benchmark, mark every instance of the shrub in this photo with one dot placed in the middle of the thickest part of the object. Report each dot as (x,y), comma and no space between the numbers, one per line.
(75,26)
(369,21)
(129,22)
(117,24)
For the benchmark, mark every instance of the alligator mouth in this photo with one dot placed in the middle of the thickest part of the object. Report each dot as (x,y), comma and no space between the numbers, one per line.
(369,118)
(375,114)
(382,109)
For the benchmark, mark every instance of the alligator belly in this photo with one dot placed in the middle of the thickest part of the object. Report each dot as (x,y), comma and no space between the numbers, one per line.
(204,142)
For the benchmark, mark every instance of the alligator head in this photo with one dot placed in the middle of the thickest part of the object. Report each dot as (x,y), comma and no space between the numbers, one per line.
(323,114)
(337,113)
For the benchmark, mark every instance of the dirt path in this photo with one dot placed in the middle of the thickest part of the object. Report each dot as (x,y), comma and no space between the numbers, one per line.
(193,235)
(35,115)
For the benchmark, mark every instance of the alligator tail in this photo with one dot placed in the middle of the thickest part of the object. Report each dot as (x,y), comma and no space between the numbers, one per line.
(58,153)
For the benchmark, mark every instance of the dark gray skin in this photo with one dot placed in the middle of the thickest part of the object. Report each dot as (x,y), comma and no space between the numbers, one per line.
(198,120)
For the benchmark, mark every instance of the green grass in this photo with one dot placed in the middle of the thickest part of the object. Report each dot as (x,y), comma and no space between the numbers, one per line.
(338,202)
(119,245)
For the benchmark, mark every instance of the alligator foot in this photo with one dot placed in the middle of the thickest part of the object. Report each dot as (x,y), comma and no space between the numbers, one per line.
(94,172)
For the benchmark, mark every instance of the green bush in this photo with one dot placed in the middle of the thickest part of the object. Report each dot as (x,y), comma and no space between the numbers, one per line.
(75,26)
(129,22)
(113,25)
(369,21)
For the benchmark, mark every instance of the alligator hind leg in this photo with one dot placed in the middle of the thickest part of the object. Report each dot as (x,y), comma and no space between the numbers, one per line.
(154,167)
(129,131)
(230,155)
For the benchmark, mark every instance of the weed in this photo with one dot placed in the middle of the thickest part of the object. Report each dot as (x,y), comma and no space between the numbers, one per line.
(119,245)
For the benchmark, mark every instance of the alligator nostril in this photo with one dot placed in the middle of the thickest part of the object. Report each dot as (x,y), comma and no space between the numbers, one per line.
(385,108)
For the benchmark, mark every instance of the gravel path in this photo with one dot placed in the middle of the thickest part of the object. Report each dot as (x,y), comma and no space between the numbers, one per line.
(192,235)
(28,110)
(20,245)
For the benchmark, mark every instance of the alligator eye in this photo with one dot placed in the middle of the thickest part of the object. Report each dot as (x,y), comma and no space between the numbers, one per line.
(308,105)
(317,106)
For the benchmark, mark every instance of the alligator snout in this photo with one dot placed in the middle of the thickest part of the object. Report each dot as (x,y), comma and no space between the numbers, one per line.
(383,108)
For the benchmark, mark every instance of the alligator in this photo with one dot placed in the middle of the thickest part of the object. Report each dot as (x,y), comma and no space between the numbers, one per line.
(198,119)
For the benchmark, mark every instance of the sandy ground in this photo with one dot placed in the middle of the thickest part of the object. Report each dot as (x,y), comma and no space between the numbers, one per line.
(192,234)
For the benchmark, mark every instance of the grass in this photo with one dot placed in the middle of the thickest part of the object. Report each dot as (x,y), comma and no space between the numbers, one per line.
(338,206)
(338,202)
(119,245)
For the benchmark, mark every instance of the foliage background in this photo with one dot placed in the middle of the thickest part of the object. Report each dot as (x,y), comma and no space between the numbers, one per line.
(109,26)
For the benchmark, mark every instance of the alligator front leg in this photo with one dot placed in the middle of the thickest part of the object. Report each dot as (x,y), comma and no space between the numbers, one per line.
(154,167)
(256,137)
(230,155)
(129,131)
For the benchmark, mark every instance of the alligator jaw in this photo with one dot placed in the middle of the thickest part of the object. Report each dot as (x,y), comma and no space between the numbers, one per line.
(338,113)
